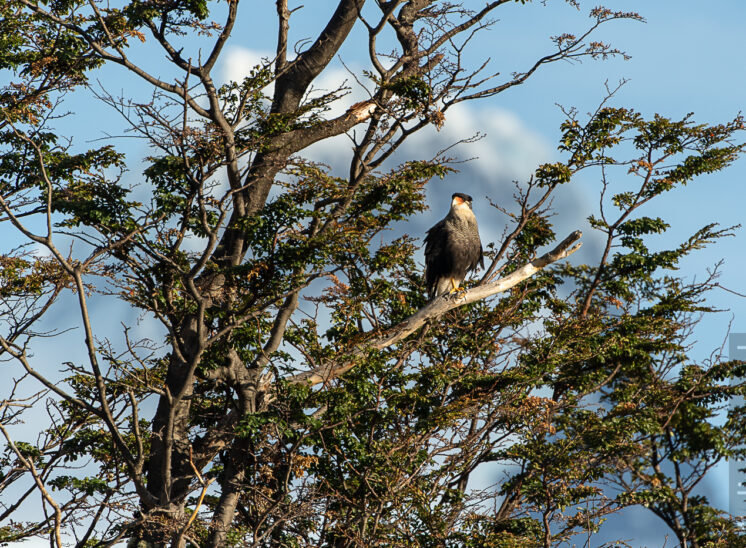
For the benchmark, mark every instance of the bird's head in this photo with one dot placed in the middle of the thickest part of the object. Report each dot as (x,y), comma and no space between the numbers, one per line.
(460,201)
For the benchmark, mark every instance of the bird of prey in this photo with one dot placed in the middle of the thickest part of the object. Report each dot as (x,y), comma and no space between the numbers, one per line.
(452,248)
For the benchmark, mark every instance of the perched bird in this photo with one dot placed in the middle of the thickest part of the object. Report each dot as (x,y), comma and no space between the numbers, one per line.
(452,248)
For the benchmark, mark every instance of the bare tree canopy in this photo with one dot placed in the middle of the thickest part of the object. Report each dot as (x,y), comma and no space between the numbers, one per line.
(303,391)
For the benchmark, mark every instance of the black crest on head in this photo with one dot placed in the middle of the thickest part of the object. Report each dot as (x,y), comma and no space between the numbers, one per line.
(461,195)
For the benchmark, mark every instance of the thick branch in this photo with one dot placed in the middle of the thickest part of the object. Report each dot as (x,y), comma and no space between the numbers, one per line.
(265,167)
(437,308)
(297,140)
(300,73)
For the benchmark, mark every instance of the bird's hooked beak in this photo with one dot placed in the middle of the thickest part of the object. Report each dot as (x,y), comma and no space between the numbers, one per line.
(459,202)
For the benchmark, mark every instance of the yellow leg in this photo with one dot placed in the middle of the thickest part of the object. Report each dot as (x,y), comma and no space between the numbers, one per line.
(456,288)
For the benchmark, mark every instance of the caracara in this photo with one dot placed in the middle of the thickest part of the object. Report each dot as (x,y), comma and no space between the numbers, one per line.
(452,248)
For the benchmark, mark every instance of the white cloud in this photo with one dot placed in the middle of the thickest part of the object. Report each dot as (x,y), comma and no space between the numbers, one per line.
(510,149)
(239,62)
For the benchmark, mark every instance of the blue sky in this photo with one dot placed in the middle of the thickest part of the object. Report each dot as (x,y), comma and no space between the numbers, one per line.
(687,57)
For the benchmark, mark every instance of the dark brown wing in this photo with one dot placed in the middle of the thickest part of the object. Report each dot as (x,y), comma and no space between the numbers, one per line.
(438,257)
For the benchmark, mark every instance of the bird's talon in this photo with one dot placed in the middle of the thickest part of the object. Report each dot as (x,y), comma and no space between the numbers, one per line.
(459,291)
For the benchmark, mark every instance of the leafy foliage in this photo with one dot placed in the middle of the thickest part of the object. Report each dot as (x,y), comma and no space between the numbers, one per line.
(284,403)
